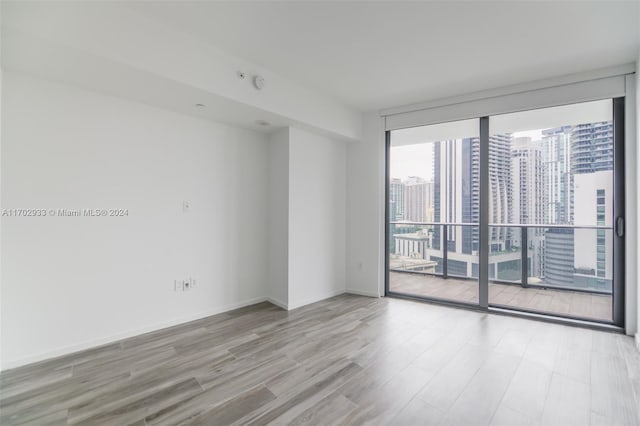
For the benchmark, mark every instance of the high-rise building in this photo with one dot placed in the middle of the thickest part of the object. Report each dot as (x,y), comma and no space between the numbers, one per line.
(437,192)
(558,185)
(592,147)
(527,178)
(559,257)
(593,266)
(456,191)
(396,200)
(592,167)
(452,192)
(579,184)
(416,199)
(500,191)
(430,200)
(557,264)
(470,205)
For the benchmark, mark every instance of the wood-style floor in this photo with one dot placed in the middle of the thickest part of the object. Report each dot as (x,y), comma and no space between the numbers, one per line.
(346,360)
(597,307)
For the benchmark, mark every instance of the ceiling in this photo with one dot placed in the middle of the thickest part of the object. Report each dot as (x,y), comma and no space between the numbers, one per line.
(373,55)
(110,48)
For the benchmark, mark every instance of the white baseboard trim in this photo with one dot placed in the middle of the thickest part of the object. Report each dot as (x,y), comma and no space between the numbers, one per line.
(362,293)
(638,340)
(311,300)
(93,343)
(278,303)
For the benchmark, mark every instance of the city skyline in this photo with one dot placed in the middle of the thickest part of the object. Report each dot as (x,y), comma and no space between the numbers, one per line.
(559,160)
(416,160)
(535,177)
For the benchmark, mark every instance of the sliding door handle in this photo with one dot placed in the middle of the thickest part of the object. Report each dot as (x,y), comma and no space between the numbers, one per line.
(620,226)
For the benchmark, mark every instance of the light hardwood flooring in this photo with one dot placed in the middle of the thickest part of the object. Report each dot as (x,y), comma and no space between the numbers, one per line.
(556,302)
(346,360)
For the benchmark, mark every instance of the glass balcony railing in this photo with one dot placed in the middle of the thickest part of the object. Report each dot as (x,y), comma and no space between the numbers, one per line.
(434,248)
(564,257)
(563,270)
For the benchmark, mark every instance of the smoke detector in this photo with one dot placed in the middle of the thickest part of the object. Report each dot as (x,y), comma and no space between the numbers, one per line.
(258,82)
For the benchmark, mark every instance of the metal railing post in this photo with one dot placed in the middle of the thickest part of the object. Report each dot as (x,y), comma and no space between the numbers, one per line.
(483,249)
(445,251)
(524,254)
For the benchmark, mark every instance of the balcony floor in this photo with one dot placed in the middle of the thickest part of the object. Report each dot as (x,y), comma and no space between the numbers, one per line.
(555,302)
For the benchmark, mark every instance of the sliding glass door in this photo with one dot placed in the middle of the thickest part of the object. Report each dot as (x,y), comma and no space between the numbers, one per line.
(558,221)
(433,209)
(526,217)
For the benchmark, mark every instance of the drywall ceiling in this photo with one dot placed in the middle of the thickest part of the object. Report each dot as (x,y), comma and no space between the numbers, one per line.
(111,48)
(372,55)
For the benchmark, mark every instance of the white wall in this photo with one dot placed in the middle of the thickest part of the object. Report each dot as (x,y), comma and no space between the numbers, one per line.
(278,292)
(74,282)
(365,210)
(317,217)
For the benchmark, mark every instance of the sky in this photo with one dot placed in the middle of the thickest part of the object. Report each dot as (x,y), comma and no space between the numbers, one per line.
(535,135)
(412,160)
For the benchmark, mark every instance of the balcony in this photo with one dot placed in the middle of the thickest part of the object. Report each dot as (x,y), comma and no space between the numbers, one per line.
(549,269)
(593,306)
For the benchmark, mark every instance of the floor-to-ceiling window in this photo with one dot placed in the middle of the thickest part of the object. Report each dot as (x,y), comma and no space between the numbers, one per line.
(530,212)
(433,208)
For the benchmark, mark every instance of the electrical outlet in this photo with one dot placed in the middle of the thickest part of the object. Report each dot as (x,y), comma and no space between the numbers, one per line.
(184,285)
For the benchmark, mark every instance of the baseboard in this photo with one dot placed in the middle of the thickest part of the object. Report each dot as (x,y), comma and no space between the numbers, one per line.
(304,302)
(94,343)
(91,344)
(638,340)
(362,293)
(278,303)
